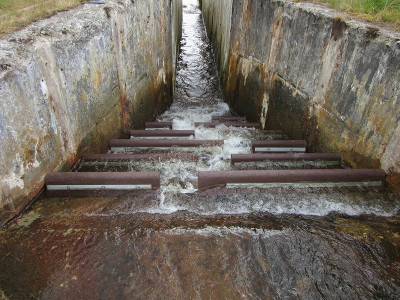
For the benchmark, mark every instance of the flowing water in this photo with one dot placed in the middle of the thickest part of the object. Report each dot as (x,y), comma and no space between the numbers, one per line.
(180,243)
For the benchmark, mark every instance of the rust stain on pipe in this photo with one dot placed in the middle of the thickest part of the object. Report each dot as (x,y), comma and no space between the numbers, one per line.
(228,124)
(110,178)
(107,183)
(158,125)
(133,157)
(270,145)
(228,119)
(162,133)
(209,179)
(164,143)
(235,158)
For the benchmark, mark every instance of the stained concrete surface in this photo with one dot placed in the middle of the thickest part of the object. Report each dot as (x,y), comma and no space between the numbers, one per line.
(71,82)
(304,68)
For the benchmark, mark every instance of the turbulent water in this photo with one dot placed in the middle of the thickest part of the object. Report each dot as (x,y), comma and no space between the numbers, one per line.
(198,97)
(182,243)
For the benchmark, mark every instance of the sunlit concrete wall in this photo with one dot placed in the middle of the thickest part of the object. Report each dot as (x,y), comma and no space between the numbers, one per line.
(71,82)
(305,69)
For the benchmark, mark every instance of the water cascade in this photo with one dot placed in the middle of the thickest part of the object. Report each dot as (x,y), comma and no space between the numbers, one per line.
(184,242)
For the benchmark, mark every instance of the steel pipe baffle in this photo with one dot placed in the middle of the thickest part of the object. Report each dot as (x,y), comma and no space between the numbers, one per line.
(340,177)
(279,146)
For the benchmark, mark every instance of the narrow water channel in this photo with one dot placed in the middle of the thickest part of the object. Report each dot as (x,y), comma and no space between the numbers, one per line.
(179,243)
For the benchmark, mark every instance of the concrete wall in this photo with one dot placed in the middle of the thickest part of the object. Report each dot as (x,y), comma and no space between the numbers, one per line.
(217,17)
(71,82)
(301,68)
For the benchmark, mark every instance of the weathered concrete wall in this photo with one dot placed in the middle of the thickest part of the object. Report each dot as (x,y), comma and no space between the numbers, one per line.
(71,82)
(301,68)
(217,17)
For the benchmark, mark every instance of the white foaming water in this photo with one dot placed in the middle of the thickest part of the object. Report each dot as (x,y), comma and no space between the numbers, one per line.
(223,231)
(318,202)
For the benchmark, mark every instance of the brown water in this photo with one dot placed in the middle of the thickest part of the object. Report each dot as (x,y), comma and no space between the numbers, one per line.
(178,243)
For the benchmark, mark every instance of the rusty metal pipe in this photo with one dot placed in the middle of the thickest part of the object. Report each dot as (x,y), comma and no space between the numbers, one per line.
(146,156)
(162,133)
(74,182)
(151,125)
(228,124)
(275,132)
(253,157)
(209,179)
(164,143)
(279,146)
(228,119)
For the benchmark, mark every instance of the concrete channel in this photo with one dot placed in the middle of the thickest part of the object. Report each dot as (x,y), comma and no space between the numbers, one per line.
(161,183)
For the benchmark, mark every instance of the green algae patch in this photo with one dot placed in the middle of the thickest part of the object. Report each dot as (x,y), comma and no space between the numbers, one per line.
(3,296)
(28,219)
(366,232)
(71,230)
(358,230)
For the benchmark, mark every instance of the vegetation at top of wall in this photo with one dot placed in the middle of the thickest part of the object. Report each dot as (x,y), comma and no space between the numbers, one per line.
(16,14)
(386,12)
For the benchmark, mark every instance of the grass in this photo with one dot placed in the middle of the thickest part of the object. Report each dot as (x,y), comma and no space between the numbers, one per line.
(386,12)
(16,14)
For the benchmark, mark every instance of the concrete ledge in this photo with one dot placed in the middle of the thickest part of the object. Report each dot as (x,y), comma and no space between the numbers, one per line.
(157,125)
(228,119)
(162,133)
(228,124)
(65,182)
(339,177)
(236,158)
(147,156)
(279,146)
(164,143)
